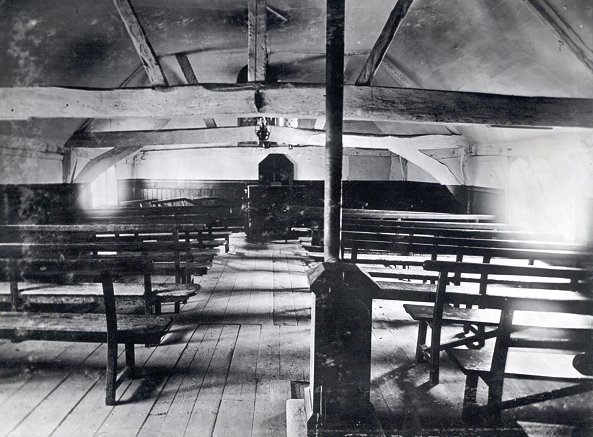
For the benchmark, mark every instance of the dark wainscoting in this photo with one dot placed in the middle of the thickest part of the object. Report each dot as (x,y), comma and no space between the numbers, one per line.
(395,195)
(39,203)
(163,189)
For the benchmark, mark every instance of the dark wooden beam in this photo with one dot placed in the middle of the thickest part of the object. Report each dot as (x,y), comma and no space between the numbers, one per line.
(378,51)
(148,58)
(227,135)
(334,110)
(186,68)
(297,101)
(162,137)
(257,45)
(548,15)
(191,79)
(156,77)
(67,165)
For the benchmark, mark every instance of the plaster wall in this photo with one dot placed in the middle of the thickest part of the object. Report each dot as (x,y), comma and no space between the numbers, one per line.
(18,167)
(242,164)
(547,176)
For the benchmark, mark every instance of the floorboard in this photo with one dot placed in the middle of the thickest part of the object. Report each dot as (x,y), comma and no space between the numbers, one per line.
(226,367)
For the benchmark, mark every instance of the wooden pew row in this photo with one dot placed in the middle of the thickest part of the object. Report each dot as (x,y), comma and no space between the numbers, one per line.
(212,211)
(534,337)
(211,230)
(41,262)
(112,328)
(574,279)
(379,265)
(168,257)
(416,243)
(175,257)
(309,212)
(151,235)
(442,229)
(140,203)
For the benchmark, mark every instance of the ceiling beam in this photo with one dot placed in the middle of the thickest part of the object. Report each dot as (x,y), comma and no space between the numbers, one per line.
(548,15)
(386,36)
(191,79)
(230,135)
(297,101)
(148,58)
(222,135)
(99,164)
(257,40)
(186,68)
(156,77)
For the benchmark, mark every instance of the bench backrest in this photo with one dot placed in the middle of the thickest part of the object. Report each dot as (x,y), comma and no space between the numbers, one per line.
(576,278)
(19,264)
(488,249)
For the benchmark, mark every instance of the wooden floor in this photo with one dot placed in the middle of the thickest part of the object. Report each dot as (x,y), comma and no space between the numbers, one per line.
(227,365)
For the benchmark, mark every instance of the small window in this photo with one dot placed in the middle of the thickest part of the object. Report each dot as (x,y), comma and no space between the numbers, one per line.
(276,169)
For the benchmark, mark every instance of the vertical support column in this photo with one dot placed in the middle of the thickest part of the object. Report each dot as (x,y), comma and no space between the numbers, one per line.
(334,108)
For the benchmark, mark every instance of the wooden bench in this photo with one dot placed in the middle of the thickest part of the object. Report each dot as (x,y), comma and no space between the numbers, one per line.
(149,236)
(488,311)
(560,350)
(136,203)
(110,327)
(40,260)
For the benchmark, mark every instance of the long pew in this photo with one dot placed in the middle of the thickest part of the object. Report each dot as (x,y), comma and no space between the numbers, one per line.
(112,328)
(170,256)
(434,316)
(44,267)
(148,237)
(219,224)
(534,337)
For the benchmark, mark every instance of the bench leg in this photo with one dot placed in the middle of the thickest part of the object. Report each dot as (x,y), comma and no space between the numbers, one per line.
(434,365)
(157,308)
(495,399)
(130,359)
(469,398)
(177,307)
(111,375)
(421,342)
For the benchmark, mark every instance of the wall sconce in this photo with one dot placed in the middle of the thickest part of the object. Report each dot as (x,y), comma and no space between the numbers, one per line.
(263,132)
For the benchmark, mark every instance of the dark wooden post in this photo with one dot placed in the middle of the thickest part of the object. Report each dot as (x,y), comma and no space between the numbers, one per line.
(341,314)
(334,109)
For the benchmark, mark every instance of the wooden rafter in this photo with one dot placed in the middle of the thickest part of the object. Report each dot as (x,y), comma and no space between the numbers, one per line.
(99,164)
(548,15)
(257,45)
(191,79)
(148,58)
(186,68)
(386,36)
(156,77)
(229,135)
(297,101)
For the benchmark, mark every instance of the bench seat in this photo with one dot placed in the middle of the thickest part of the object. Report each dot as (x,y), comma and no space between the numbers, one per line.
(56,294)
(521,363)
(477,316)
(134,329)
